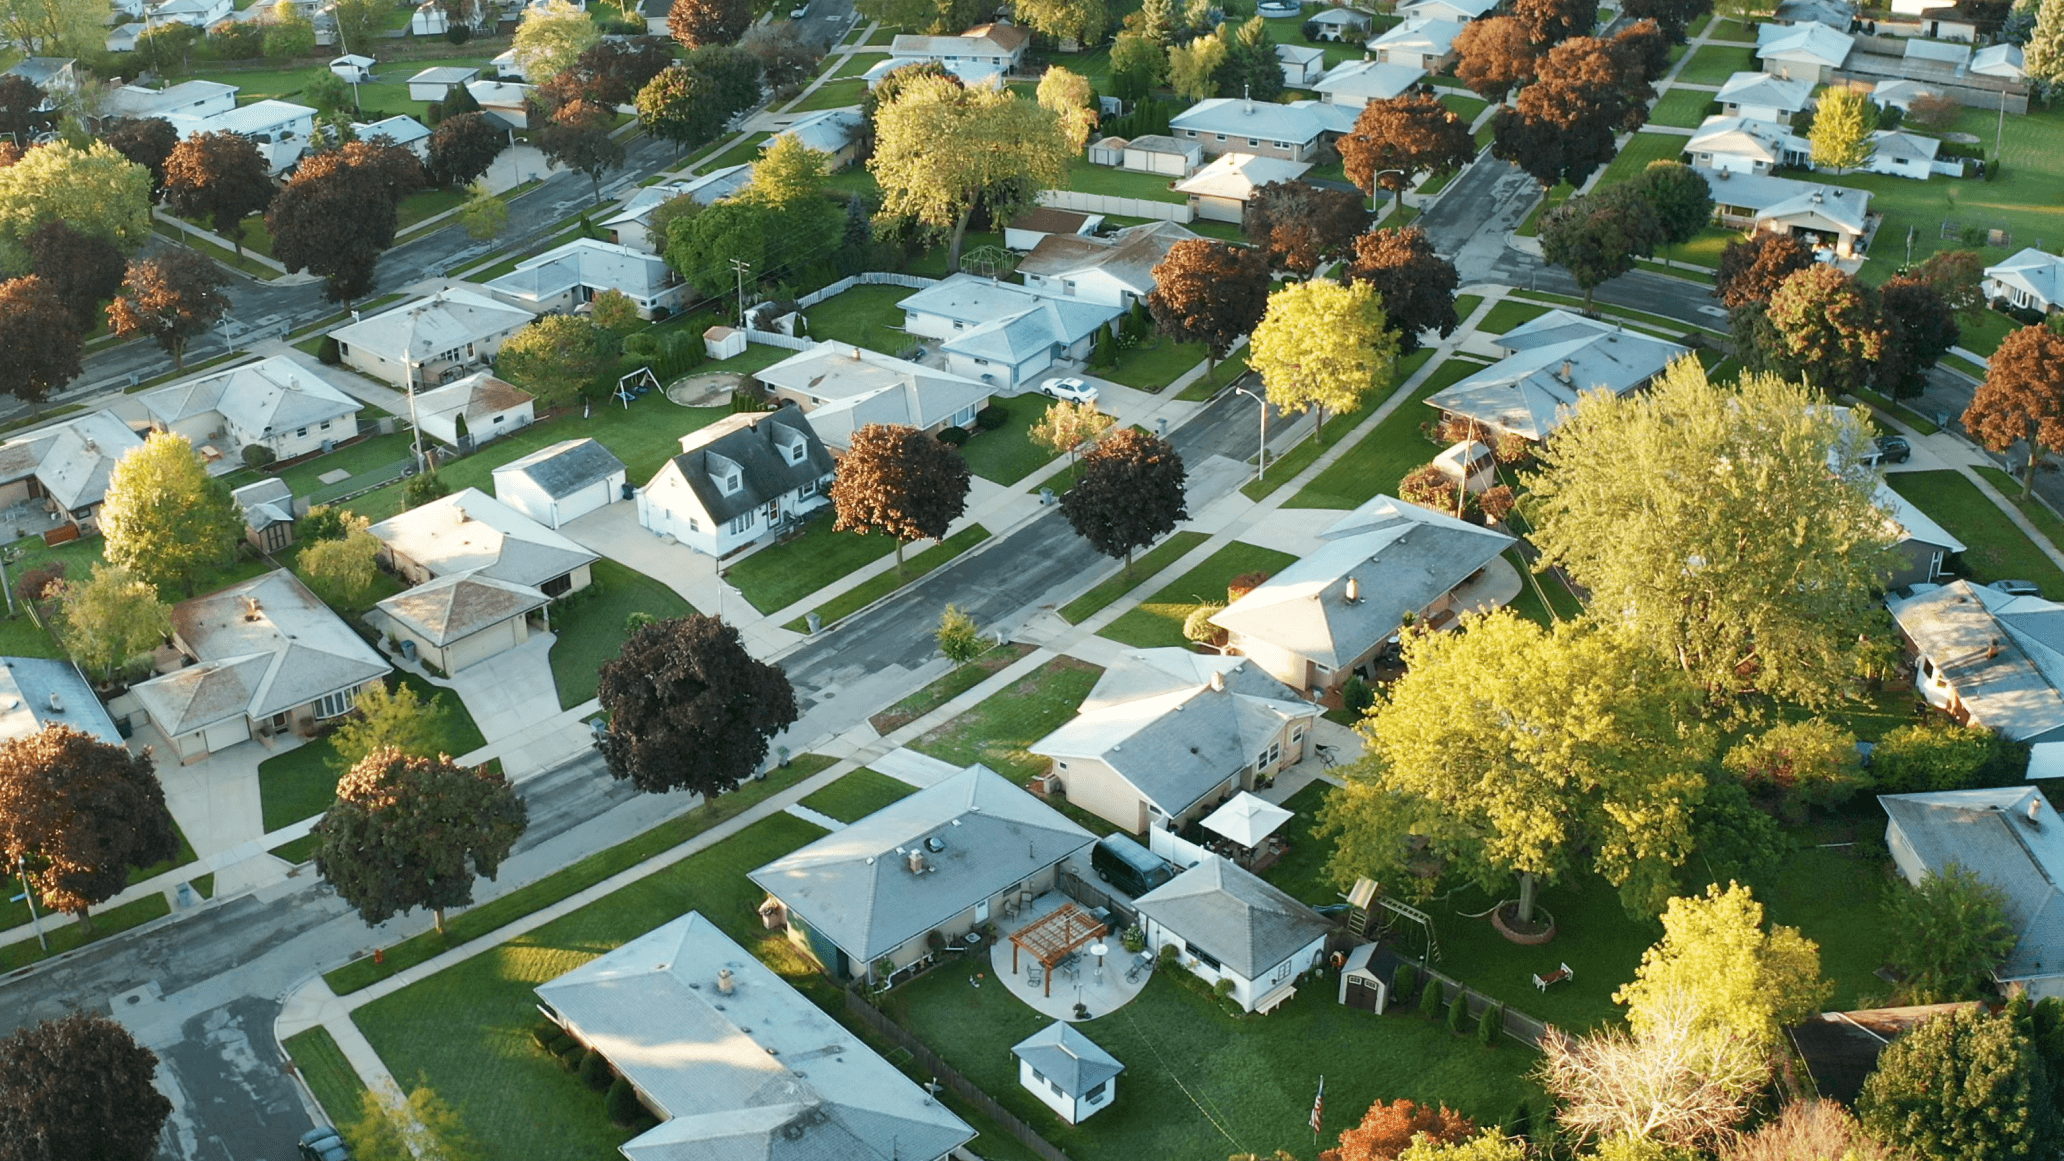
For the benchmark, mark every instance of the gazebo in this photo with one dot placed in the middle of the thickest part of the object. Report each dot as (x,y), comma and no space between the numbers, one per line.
(1247,819)
(1055,937)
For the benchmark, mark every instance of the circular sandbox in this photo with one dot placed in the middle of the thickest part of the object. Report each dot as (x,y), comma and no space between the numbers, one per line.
(711,389)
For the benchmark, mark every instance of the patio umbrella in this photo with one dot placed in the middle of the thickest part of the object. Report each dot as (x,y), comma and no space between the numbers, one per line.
(1246,819)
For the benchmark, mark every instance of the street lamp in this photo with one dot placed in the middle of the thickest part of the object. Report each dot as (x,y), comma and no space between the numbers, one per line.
(1261,462)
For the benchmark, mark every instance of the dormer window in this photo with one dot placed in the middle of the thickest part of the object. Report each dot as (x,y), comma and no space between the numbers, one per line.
(725,473)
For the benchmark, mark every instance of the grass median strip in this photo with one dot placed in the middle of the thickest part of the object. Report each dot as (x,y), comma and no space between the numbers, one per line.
(65,935)
(1158,558)
(875,588)
(337,1086)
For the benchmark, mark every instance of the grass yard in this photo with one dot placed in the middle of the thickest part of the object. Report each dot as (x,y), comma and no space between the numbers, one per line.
(945,689)
(996,732)
(65,935)
(875,588)
(1466,105)
(1155,363)
(1994,548)
(1683,108)
(858,795)
(1120,183)
(302,782)
(1714,63)
(593,631)
(2039,514)
(1985,338)
(865,316)
(1157,621)
(1215,380)
(1009,453)
(1465,305)
(1286,467)
(1380,459)
(858,63)
(739,154)
(417,207)
(336,1085)
(1149,565)
(782,574)
(1637,153)
(832,95)
(21,636)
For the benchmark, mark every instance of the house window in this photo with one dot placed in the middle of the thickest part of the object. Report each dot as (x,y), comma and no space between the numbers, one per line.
(965,416)
(300,433)
(500,418)
(795,452)
(1204,957)
(1281,973)
(558,586)
(326,425)
(1057,1089)
(1221,136)
(806,489)
(1270,756)
(1189,132)
(1927,668)
(1253,141)
(336,704)
(1096,1094)
(741,524)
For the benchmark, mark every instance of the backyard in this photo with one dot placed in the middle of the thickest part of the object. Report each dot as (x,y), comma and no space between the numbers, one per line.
(1683,108)
(593,630)
(865,316)
(997,732)
(1158,620)
(1714,63)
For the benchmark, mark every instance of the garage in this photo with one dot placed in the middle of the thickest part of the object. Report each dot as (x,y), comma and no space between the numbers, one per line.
(460,620)
(561,483)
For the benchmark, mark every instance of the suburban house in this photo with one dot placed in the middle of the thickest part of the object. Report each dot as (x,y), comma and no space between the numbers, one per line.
(65,465)
(1742,145)
(1897,153)
(1219,192)
(1459,11)
(1987,658)
(844,388)
(1833,13)
(1232,124)
(2005,61)
(400,129)
(830,132)
(1036,225)
(459,619)
(201,14)
(1425,43)
(37,693)
(268,508)
(1831,218)
(280,129)
(503,102)
(919,874)
(739,479)
(1923,545)
(1159,153)
(55,75)
(1330,614)
(734,1062)
(287,404)
(1001,45)
(2012,838)
(1342,24)
(972,74)
(568,277)
(477,409)
(1227,924)
(1550,361)
(1167,734)
(435,84)
(1802,52)
(1116,269)
(507,66)
(353,67)
(1301,64)
(1940,21)
(632,224)
(471,531)
(263,657)
(1354,83)
(1000,334)
(563,482)
(431,340)
(1067,1071)
(2030,280)
(194,98)
(1762,97)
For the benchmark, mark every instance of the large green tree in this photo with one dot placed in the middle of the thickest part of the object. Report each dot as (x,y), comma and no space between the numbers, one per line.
(1743,979)
(94,190)
(1082,21)
(1842,126)
(165,518)
(1323,345)
(551,37)
(1598,237)
(1965,1086)
(111,619)
(689,708)
(1950,933)
(556,357)
(940,149)
(53,27)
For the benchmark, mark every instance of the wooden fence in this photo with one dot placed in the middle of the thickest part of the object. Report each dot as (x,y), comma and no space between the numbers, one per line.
(1518,1025)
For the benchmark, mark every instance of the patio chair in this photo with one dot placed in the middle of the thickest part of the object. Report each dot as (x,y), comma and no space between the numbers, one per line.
(1035,973)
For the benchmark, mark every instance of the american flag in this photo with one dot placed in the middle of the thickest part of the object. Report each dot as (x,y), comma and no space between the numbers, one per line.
(1318,1107)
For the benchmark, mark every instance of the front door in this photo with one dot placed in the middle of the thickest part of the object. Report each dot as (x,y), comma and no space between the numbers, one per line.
(982,911)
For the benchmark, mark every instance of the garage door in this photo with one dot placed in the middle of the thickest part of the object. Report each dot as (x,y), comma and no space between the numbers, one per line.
(223,735)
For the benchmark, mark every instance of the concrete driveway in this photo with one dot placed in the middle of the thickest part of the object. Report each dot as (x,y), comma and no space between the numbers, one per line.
(614,531)
(511,690)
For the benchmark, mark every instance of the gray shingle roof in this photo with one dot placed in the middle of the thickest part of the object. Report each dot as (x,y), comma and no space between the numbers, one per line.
(1241,921)
(266,503)
(2004,656)
(765,473)
(27,685)
(72,459)
(284,391)
(565,467)
(1068,1058)
(450,608)
(1989,833)
(471,530)
(1530,391)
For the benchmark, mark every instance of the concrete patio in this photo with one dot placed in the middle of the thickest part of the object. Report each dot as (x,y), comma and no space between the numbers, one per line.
(1101,992)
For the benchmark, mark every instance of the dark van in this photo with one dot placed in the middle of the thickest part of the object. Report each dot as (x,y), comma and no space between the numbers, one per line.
(1128,866)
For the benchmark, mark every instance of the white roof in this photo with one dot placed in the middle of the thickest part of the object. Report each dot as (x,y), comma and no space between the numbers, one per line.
(1470,9)
(275,394)
(2009,836)
(138,101)
(587,262)
(444,75)
(71,459)
(1236,176)
(1782,93)
(1811,43)
(427,327)
(1299,54)
(826,132)
(471,530)
(849,387)
(2000,60)
(1368,80)
(1902,93)
(1430,35)
(1911,522)
(498,94)
(1764,141)
(704,188)
(1898,145)
(1940,51)
(478,398)
(1246,819)
(971,73)
(1554,359)
(1768,198)
(1007,322)
(2034,272)
(2003,655)
(1236,117)
(401,129)
(37,692)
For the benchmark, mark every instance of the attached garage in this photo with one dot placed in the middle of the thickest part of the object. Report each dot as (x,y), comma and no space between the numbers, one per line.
(460,620)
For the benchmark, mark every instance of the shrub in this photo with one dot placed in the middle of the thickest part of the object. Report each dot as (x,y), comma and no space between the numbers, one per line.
(461,33)
(992,417)
(621,1103)
(1309,30)
(35,583)
(257,455)
(1223,989)
(1356,696)
(422,488)
(641,345)
(1496,503)
(1403,982)
(1135,940)
(544,1033)
(957,436)
(1430,1000)
(1489,1023)
(1513,448)
(1168,954)
(1912,759)
(1428,487)
(569,1054)
(1458,1014)
(595,1071)
(1243,584)
(636,621)
(1198,627)
(328,353)
(1797,766)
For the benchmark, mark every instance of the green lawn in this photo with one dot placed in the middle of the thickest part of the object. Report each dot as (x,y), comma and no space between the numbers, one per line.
(779,575)
(996,732)
(302,782)
(594,630)
(1121,183)
(1157,621)
(419,206)
(1156,363)
(1009,454)
(876,587)
(1640,150)
(1984,338)
(1465,305)
(336,1085)
(1993,548)
(21,636)
(1285,468)
(1683,108)
(65,935)
(858,795)
(15,913)
(858,63)
(1380,459)
(1214,381)
(1466,105)
(1146,567)
(745,151)
(1714,63)
(865,316)
(832,95)
(2039,514)
(389,95)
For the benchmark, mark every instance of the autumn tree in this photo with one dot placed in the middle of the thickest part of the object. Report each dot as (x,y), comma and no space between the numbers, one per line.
(342,570)
(1966,1085)
(1209,292)
(551,37)
(1752,268)
(2022,398)
(900,481)
(1810,1128)
(80,814)
(408,832)
(1680,198)
(1417,286)
(611,71)
(941,148)
(1395,140)
(1824,326)
(1959,277)
(580,137)
(1598,237)
(1784,597)
(1067,426)
(1920,328)
(78,1086)
(22,113)
(84,271)
(1741,979)
(170,299)
(1387,1129)
(42,338)
(696,23)
(689,708)
(1496,54)
(420,1127)
(462,147)
(147,141)
(165,519)
(388,719)
(1565,125)
(1323,345)
(221,178)
(1672,16)
(1082,21)
(1301,226)
(787,55)
(1842,125)
(1069,97)
(340,210)
(1950,934)
(1550,22)
(110,619)
(1671,1083)
(1129,494)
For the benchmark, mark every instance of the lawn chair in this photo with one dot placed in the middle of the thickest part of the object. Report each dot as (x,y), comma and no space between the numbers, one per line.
(1561,975)
(1035,973)
(1141,964)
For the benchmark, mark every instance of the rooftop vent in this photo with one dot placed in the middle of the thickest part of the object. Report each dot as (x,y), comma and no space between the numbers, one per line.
(935,844)
(250,608)
(56,703)
(1568,371)
(724,983)
(2035,812)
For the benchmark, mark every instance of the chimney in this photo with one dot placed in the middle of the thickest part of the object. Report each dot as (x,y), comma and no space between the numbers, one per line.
(1248,93)
(57,707)
(250,608)
(916,861)
(856,354)
(1354,590)
(2034,804)
(1218,676)
(724,984)
(1569,371)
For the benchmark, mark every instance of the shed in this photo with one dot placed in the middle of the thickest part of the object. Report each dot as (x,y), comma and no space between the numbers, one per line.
(1067,1071)
(722,342)
(1107,151)
(434,84)
(1367,976)
(353,67)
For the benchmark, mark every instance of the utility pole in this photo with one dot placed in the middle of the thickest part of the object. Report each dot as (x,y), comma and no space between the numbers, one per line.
(739,266)
(1999,136)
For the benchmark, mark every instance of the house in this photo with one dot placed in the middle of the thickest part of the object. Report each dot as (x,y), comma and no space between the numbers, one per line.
(999,334)
(1160,153)
(264,656)
(65,465)
(1841,1049)
(430,340)
(472,411)
(1922,544)
(1331,613)
(2030,280)
(1354,83)
(1425,43)
(736,1063)
(1166,734)
(1000,45)
(202,14)
(569,276)
(2010,837)
(1987,658)
(1742,145)
(2004,61)
(435,84)
(37,693)
(1459,11)
(288,404)
(972,74)
(866,901)
(1549,362)
(1219,192)
(1115,270)
(400,129)
(844,388)
(470,531)
(1831,218)
(1942,55)
(192,98)
(1067,1071)
(1762,97)
(1107,151)
(268,508)
(560,483)
(1805,52)
(830,132)
(1231,124)
(1901,94)
(1897,153)
(460,619)
(281,129)
(55,75)
(505,103)
(1227,924)
(1341,24)
(1030,228)
(508,67)
(632,225)
(354,68)
(1301,64)
(434,18)
(1941,21)
(739,479)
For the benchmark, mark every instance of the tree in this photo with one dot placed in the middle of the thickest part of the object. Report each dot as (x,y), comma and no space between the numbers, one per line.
(704,247)
(1598,237)
(1959,277)
(81,814)
(555,358)
(1671,1083)
(1489,1145)
(484,215)
(2044,52)
(579,137)
(1395,140)
(170,298)
(1209,292)
(1193,68)
(614,312)
(696,23)
(1795,766)
(1826,328)
(358,23)
(340,211)
(343,570)
(146,141)
(1935,112)
(1067,426)
(941,148)
(288,33)
(111,619)
(165,519)
(1672,16)
(1138,64)
(1752,268)
(1642,50)
(78,1086)
(1511,751)
(1740,980)
(960,639)
(1082,21)
(1630,489)
(462,147)
(689,708)
(1069,97)
(1416,285)
(83,271)
(1841,133)
(1680,197)
(1550,22)
(219,177)
(420,1128)
(789,174)
(53,27)
(1566,124)
(2022,398)
(1323,345)
(787,55)
(610,72)
(42,337)
(1251,67)
(22,113)
(1301,226)
(1388,1129)
(408,832)
(1129,493)
(389,719)
(1964,1086)
(94,190)
(1734,839)
(1920,328)
(551,37)
(1810,1128)
(900,481)
(1950,934)
(1496,55)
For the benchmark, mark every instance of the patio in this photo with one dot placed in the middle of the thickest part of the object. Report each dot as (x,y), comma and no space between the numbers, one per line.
(1079,980)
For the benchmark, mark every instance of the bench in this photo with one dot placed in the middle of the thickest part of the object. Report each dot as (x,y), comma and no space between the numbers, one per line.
(1560,975)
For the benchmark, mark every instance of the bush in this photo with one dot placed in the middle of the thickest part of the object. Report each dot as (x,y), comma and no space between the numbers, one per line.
(328,353)
(1458,1014)
(461,33)
(1135,940)
(1356,696)
(642,345)
(1198,627)
(35,583)
(545,1034)
(422,488)
(257,455)
(595,1071)
(1513,448)
(1496,503)
(1309,30)
(957,436)
(1912,759)
(1489,1023)
(569,1054)
(621,1103)
(1243,584)
(992,417)
(1430,1000)
(1403,982)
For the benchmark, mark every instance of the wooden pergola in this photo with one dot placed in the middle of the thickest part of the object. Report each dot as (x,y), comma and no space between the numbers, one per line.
(1055,936)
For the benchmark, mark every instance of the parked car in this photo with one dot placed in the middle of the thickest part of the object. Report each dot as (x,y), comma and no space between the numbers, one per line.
(2017,588)
(799,11)
(322,1143)
(1128,866)
(1072,390)
(1893,449)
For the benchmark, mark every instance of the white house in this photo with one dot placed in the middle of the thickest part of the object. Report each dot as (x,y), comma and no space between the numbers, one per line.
(1941,21)
(2031,280)
(508,67)
(55,75)
(1341,24)
(193,98)
(1301,64)
(741,478)
(973,74)
(1742,145)
(1160,153)
(1897,153)
(66,465)
(1830,218)
(1549,362)
(1002,45)
(632,225)
(505,103)
(1426,43)
(829,131)
(1987,658)
(569,276)
(2011,838)
(1234,125)
(400,129)
(475,410)
(288,404)
(435,84)
(1115,270)
(1003,335)
(1353,84)
(1762,97)
(560,483)
(1028,229)
(1806,52)
(1901,94)
(430,340)
(844,388)
(1219,192)
(1459,11)
(281,129)
(1067,1071)
(201,14)
(38,692)
(353,67)
(1226,924)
